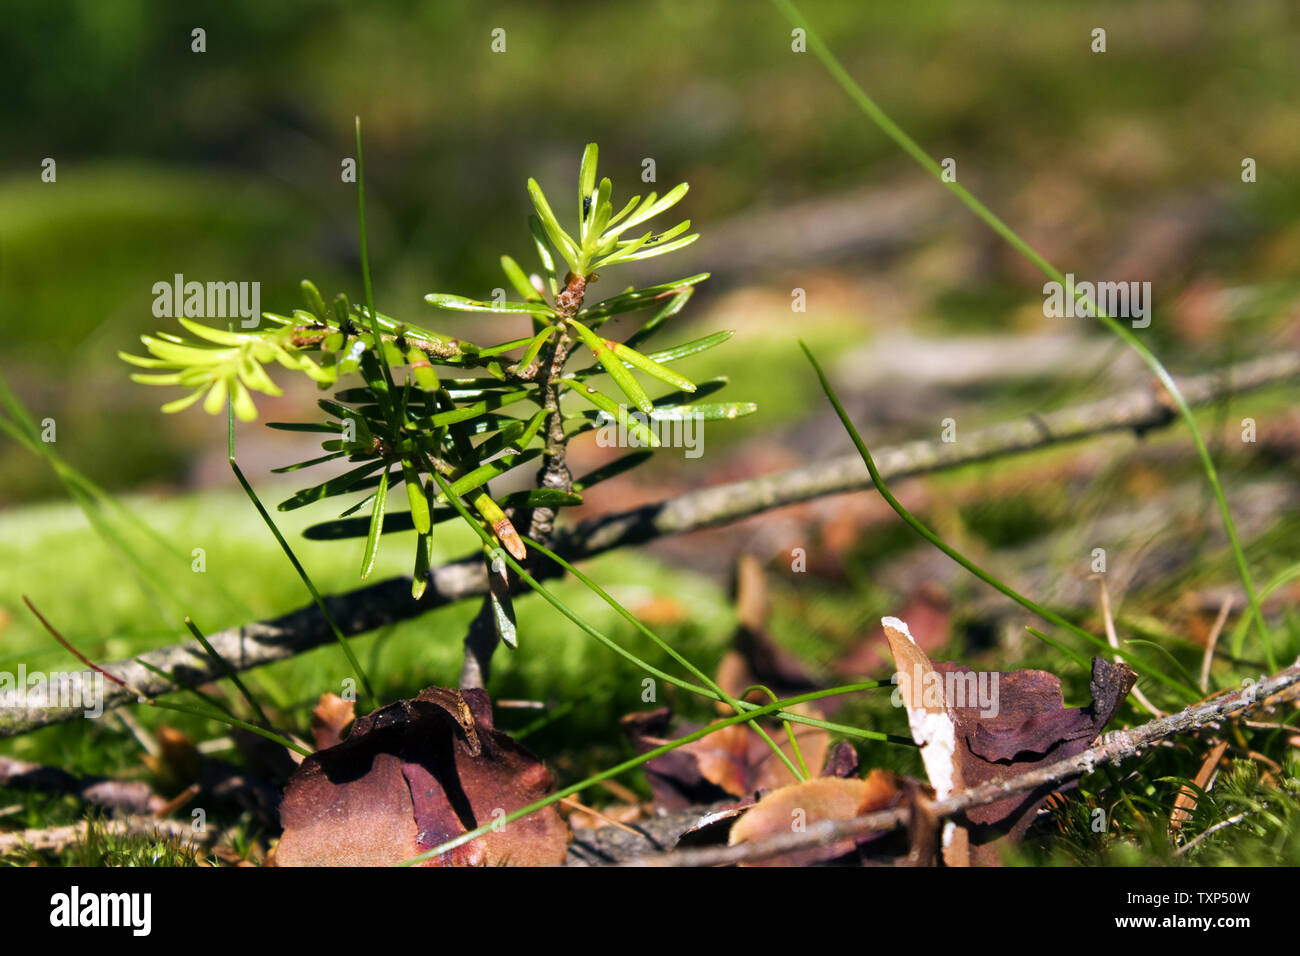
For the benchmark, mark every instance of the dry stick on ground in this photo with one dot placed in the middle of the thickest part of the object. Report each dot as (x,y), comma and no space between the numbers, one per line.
(129,796)
(366,609)
(1113,748)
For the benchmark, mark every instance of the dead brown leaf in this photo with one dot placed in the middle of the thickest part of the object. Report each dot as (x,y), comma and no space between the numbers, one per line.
(733,761)
(1011,727)
(412,775)
(330,718)
(1187,797)
(794,807)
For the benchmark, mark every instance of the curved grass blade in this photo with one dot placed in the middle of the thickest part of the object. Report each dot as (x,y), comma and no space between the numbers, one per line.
(927,162)
(753,709)
(672,652)
(302,572)
(1138,664)
(634,762)
(230,671)
(1067,651)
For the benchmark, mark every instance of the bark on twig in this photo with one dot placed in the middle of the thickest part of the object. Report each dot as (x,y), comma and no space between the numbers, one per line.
(1113,748)
(365,609)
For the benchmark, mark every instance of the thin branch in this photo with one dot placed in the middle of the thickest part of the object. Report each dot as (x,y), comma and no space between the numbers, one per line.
(1231,821)
(1113,748)
(365,609)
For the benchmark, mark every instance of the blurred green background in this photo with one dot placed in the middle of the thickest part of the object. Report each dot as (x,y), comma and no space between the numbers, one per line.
(225,165)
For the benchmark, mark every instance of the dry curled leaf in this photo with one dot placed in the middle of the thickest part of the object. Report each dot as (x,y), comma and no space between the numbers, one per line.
(795,807)
(177,762)
(412,775)
(977,727)
(330,718)
(733,761)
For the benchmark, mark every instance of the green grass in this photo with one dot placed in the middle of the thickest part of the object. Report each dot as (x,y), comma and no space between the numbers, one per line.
(555,662)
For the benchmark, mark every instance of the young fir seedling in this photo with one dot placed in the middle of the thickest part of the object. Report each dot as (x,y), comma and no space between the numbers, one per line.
(471,412)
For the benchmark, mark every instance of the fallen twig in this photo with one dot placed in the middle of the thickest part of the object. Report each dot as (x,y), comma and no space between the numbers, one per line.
(1113,748)
(366,609)
(1231,821)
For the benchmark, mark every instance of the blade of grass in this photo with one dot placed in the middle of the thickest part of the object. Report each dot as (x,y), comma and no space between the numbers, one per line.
(970,566)
(293,558)
(206,698)
(306,579)
(95,503)
(153,702)
(789,731)
(365,280)
(1067,651)
(927,162)
(230,671)
(671,651)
